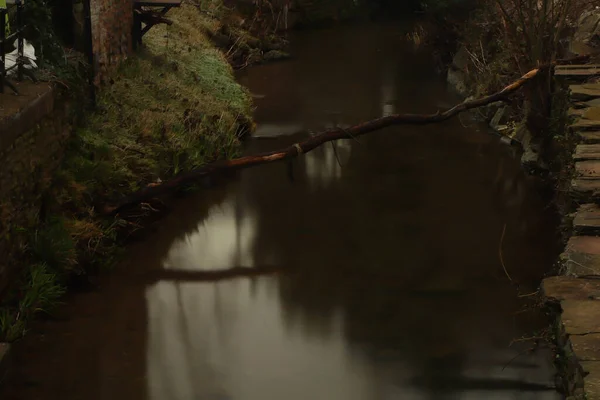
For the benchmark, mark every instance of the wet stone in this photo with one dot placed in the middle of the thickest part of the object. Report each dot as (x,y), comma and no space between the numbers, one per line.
(590,136)
(587,152)
(586,347)
(587,219)
(582,256)
(586,124)
(592,379)
(581,317)
(588,189)
(585,92)
(570,288)
(588,169)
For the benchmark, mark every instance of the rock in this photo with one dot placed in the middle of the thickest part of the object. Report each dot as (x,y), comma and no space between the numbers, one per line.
(252,42)
(275,55)
(461,59)
(587,34)
(254,57)
(457,80)
(499,119)
(530,159)
(531,153)
(585,92)
(221,41)
(273,43)
(589,26)
(457,72)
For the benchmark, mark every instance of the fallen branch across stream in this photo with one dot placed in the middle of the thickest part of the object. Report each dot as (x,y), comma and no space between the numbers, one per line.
(327,136)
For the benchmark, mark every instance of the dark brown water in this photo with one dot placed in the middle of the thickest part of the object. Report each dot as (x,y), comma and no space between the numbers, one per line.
(390,283)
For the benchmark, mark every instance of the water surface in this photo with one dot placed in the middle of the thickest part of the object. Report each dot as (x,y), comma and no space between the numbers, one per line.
(390,284)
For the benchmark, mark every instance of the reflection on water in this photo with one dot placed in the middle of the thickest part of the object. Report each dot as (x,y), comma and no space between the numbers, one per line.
(390,284)
(221,241)
(396,292)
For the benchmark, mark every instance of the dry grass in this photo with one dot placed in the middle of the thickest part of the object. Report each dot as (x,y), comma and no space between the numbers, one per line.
(172,107)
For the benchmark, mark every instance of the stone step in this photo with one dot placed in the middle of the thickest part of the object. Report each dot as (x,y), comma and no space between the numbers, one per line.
(589,137)
(582,256)
(580,323)
(585,92)
(586,125)
(587,219)
(588,169)
(586,113)
(577,70)
(585,189)
(571,288)
(585,152)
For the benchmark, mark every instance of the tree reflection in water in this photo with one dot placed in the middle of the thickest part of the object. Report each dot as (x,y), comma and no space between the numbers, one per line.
(394,290)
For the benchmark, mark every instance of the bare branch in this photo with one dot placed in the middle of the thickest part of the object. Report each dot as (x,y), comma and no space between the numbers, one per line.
(320,138)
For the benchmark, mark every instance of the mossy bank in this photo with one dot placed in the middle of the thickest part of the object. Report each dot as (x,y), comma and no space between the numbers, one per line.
(171,107)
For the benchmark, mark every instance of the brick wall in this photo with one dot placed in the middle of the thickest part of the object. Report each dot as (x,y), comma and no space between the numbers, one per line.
(31,149)
(112,22)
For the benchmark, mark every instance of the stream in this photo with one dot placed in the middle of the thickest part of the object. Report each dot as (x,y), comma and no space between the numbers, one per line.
(390,251)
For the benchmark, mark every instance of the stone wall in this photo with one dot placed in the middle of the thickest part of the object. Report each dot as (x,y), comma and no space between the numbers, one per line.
(32,143)
(112,22)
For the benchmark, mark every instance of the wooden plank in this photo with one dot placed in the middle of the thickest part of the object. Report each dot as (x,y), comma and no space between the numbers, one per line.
(589,137)
(587,152)
(588,169)
(587,219)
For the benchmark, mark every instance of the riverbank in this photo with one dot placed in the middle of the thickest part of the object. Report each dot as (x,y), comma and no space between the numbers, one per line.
(378,286)
(575,291)
(173,106)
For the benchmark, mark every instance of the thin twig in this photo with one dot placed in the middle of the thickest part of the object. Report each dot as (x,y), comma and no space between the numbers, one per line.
(500,253)
(517,356)
(336,154)
(529,294)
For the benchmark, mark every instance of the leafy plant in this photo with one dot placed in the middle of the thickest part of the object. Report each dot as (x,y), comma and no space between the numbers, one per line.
(39,292)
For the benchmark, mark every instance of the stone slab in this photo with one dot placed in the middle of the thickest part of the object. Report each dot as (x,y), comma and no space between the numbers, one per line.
(569,288)
(590,136)
(591,381)
(587,219)
(582,256)
(586,124)
(585,92)
(581,317)
(586,347)
(585,152)
(576,70)
(586,188)
(588,169)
